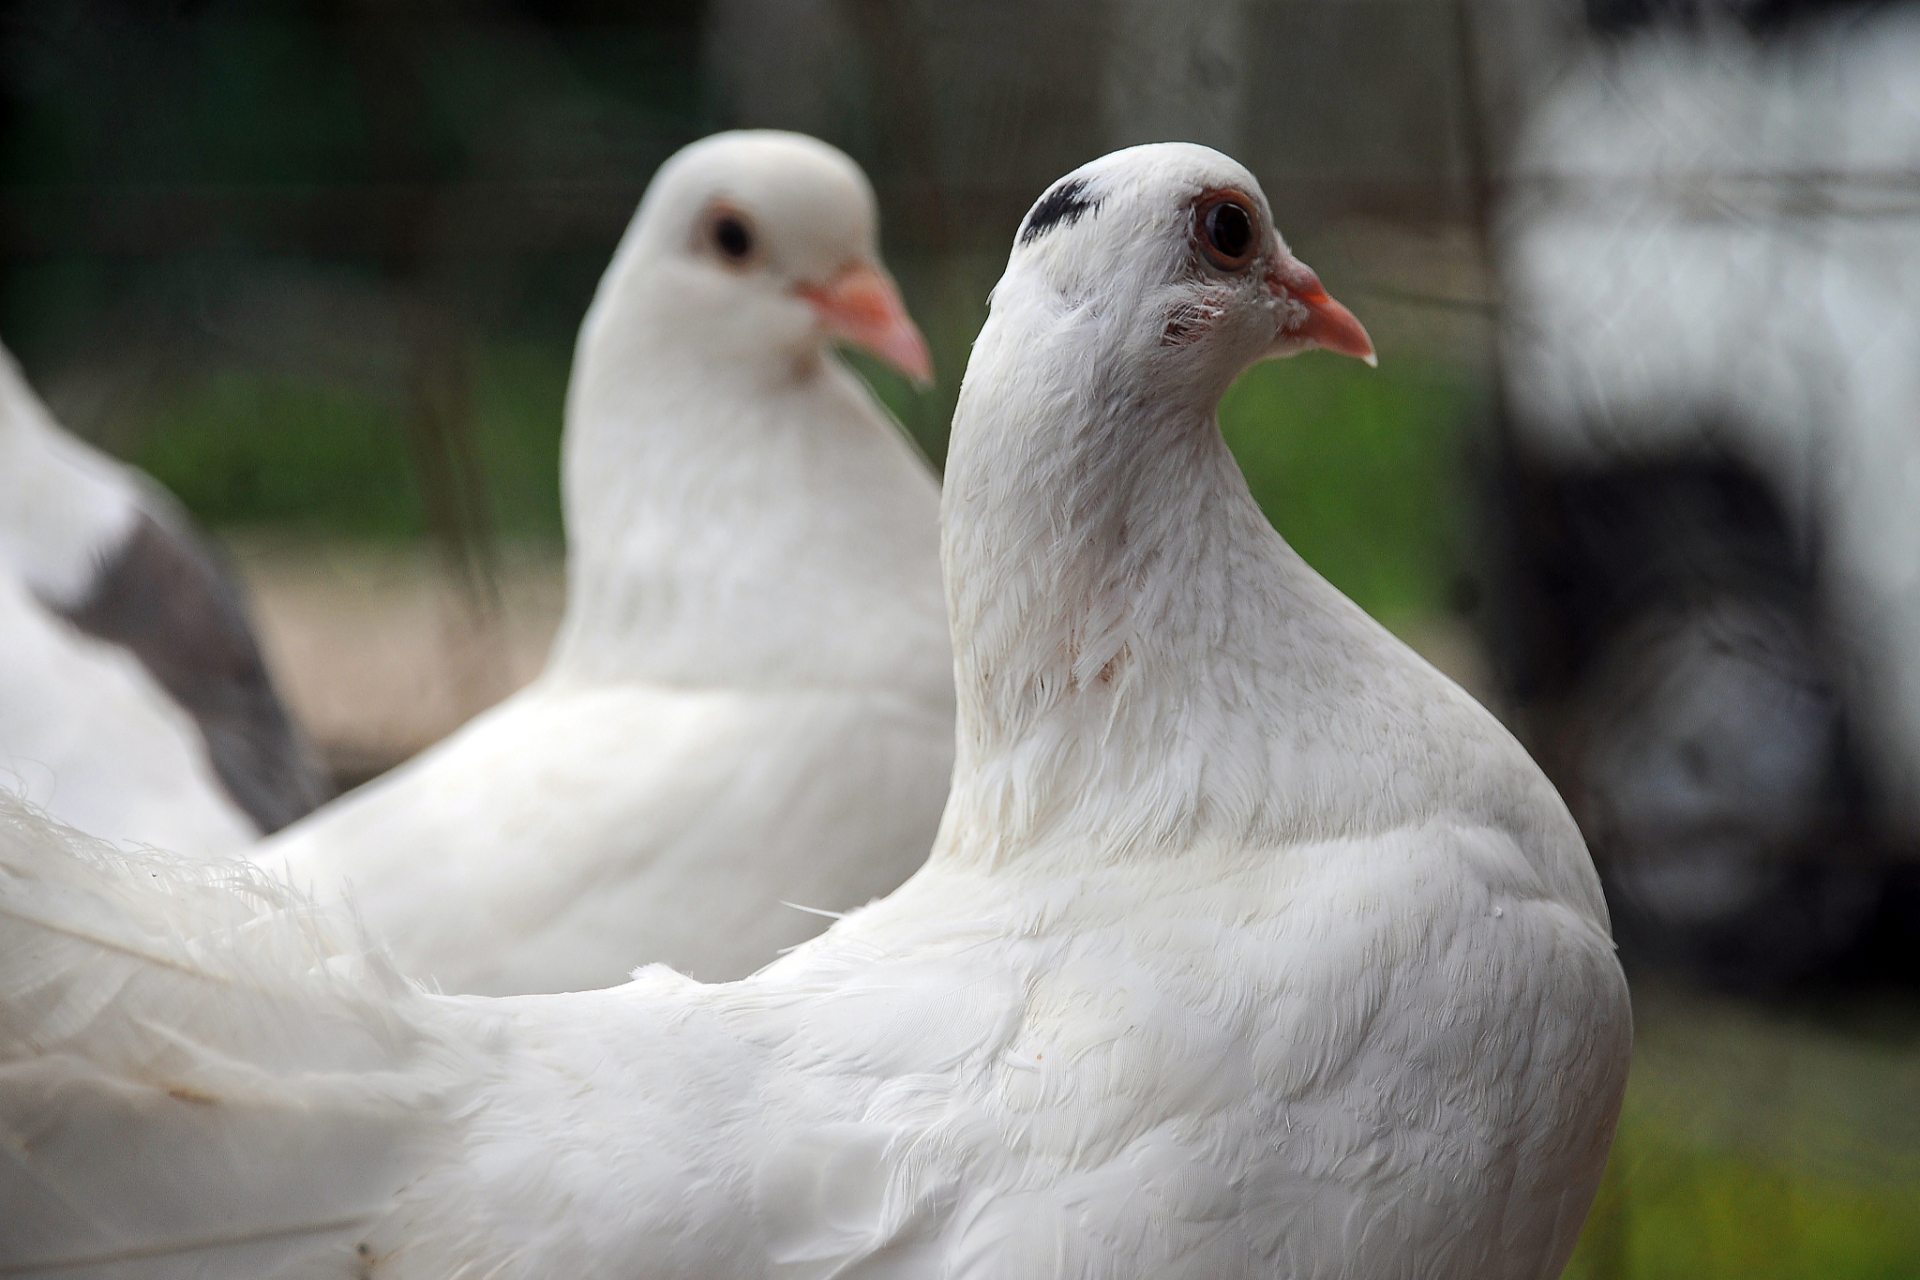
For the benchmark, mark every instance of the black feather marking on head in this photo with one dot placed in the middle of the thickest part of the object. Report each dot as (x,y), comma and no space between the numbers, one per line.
(1065,202)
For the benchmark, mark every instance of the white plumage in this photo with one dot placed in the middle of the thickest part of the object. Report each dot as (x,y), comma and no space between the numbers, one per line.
(750,701)
(133,701)
(1250,945)
(90,736)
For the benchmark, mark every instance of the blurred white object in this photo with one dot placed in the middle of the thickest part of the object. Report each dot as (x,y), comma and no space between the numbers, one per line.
(133,700)
(1251,945)
(750,701)
(1711,252)
(1712,229)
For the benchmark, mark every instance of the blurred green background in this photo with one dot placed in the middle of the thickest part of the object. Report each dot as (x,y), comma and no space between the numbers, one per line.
(317,267)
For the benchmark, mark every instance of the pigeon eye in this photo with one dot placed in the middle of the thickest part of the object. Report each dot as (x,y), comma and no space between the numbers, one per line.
(732,237)
(1227,224)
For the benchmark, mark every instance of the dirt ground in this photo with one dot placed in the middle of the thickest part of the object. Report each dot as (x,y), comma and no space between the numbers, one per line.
(379,654)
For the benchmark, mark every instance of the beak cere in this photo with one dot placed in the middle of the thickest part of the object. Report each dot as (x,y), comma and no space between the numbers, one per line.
(1328,324)
(862,306)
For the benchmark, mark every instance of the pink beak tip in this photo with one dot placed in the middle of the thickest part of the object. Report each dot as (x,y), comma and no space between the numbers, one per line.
(1328,325)
(1332,327)
(862,307)
(920,373)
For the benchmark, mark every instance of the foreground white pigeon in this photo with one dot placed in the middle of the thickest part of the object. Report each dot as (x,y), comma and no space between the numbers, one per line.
(750,702)
(1250,946)
(134,703)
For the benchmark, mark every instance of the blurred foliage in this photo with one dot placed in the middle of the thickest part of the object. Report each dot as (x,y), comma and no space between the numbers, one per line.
(338,133)
(1362,470)
(518,410)
(252,198)
(241,448)
(247,448)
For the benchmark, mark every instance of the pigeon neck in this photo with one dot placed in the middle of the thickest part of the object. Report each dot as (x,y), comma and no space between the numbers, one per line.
(747,528)
(1141,661)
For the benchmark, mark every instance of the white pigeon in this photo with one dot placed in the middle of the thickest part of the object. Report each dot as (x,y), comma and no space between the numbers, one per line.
(1250,946)
(750,702)
(134,703)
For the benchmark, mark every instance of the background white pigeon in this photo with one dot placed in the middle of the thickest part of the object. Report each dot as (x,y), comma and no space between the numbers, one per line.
(134,703)
(1251,945)
(750,702)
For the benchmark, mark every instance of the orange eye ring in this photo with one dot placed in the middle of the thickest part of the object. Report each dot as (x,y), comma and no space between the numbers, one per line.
(1226,226)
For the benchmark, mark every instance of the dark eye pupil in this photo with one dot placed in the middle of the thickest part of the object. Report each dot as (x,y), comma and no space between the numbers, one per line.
(1229,229)
(732,237)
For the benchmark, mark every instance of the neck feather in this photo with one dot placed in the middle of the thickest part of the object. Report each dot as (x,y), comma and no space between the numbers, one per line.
(1142,662)
(759,527)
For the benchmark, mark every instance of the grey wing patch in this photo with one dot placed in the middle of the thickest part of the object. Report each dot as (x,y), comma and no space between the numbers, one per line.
(1064,202)
(162,597)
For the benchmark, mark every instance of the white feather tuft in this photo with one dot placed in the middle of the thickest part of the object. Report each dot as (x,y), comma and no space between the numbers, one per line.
(158,1016)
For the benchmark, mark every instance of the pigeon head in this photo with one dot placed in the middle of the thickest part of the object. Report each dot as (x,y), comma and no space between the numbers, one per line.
(759,244)
(1169,251)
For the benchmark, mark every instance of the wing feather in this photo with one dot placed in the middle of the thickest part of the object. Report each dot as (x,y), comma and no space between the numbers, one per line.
(201,1073)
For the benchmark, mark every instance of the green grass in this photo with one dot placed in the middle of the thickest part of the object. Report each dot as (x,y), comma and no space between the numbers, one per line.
(1761,1145)
(1670,1211)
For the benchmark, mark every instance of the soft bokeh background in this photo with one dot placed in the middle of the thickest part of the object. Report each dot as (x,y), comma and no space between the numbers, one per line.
(317,267)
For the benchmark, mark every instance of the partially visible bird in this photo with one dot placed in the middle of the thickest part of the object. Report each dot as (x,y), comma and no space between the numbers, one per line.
(134,703)
(750,702)
(1250,946)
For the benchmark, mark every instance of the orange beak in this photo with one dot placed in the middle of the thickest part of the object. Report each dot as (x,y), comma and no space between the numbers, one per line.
(862,306)
(1328,324)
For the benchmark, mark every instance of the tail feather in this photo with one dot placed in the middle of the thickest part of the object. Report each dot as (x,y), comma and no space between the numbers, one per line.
(201,1072)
